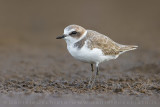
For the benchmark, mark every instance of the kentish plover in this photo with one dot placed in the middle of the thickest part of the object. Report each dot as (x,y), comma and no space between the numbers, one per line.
(92,47)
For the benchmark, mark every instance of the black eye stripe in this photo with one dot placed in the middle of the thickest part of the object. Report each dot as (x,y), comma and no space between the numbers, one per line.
(72,33)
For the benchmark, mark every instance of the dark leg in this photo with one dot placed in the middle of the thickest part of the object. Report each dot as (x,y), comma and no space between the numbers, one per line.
(95,75)
(92,68)
(90,80)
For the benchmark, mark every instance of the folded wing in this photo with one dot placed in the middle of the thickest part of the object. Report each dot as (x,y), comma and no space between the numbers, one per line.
(108,46)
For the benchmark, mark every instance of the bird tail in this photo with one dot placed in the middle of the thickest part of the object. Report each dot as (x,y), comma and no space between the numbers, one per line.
(125,48)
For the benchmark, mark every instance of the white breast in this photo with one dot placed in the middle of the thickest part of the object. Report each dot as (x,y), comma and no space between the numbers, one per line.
(86,55)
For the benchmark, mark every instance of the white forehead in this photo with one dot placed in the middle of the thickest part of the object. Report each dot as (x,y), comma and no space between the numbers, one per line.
(68,31)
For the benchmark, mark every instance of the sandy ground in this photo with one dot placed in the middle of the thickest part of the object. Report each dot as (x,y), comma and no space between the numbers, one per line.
(42,71)
(36,68)
(48,77)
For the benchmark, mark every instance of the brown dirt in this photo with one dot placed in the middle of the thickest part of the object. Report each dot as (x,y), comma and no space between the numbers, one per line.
(44,72)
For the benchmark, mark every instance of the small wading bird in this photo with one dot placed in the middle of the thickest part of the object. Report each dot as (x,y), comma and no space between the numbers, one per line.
(92,47)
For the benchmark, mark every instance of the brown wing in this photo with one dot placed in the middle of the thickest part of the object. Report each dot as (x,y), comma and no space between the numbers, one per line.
(100,41)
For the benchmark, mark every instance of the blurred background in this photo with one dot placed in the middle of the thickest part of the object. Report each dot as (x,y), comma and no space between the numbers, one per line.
(38,22)
(32,60)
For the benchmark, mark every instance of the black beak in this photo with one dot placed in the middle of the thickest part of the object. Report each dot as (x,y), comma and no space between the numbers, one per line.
(61,37)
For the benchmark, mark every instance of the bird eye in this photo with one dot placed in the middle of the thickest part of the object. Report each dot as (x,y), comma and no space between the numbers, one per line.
(72,33)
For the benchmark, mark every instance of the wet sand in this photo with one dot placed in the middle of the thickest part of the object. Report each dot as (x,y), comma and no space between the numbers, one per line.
(45,75)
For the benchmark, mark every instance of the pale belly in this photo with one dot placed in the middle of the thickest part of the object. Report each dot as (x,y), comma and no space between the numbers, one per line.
(90,56)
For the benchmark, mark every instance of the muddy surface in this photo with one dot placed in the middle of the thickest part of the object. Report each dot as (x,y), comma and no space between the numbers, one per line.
(35,66)
(43,72)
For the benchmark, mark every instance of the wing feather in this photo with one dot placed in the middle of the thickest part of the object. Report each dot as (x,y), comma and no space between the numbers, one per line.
(100,41)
